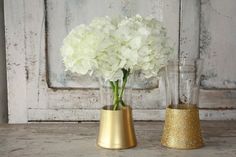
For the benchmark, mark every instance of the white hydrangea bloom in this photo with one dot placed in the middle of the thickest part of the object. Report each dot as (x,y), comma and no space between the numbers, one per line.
(143,44)
(106,46)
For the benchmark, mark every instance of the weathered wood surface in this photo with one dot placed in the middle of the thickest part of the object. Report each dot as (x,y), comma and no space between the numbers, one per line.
(15,58)
(189,28)
(63,16)
(78,140)
(3,80)
(218,99)
(217,43)
(27,64)
(40,115)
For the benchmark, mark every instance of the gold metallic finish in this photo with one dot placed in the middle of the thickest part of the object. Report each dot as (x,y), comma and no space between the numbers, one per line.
(182,128)
(116,129)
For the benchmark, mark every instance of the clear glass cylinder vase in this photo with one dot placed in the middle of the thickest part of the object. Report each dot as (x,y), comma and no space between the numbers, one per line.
(116,129)
(107,95)
(183,82)
(182,125)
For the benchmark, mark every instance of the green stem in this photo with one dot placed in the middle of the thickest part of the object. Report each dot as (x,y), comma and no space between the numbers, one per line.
(113,90)
(112,86)
(116,95)
(125,78)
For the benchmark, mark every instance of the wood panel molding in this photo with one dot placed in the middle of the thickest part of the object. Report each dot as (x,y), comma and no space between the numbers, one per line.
(31,99)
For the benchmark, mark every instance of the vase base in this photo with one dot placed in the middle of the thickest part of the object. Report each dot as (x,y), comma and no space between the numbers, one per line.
(116,129)
(182,129)
(112,146)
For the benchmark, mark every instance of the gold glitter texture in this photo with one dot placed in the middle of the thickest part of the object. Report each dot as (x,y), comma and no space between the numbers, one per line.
(182,128)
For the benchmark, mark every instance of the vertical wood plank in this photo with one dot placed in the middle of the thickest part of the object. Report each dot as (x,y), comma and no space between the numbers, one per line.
(15,58)
(171,21)
(34,12)
(189,28)
(3,81)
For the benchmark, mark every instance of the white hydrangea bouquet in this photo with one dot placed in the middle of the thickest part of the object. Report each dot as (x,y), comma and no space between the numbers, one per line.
(113,48)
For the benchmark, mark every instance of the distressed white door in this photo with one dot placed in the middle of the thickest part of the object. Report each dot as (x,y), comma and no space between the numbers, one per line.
(40,90)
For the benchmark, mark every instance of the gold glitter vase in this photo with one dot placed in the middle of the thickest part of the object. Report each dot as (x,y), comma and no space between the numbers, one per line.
(182,128)
(116,129)
(182,125)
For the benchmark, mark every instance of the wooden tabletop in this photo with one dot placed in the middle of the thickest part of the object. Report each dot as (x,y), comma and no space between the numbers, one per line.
(79,140)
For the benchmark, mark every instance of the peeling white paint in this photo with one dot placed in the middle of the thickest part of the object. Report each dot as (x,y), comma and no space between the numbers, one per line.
(30,97)
(63,16)
(218,37)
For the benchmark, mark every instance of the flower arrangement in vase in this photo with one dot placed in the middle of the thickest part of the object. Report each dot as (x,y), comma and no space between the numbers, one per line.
(112,49)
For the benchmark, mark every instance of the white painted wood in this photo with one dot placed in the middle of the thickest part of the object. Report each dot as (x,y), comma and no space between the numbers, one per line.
(189,28)
(89,99)
(31,69)
(141,99)
(63,16)
(31,98)
(15,58)
(199,19)
(35,66)
(217,99)
(171,19)
(218,36)
(3,80)
(82,99)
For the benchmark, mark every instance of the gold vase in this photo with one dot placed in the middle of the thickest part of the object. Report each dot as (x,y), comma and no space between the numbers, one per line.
(182,128)
(116,129)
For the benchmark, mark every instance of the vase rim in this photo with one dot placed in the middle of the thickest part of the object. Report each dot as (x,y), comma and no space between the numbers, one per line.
(187,107)
(109,108)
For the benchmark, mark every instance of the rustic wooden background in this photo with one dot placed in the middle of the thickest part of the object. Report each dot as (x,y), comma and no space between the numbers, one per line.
(40,90)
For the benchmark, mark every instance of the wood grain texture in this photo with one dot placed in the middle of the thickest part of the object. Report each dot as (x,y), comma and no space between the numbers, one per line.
(78,140)
(171,19)
(31,97)
(15,58)
(35,50)
(217,38)
(217,99)
(189,28)
(90,99)
(3,80)
(28,65)
(142,114)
